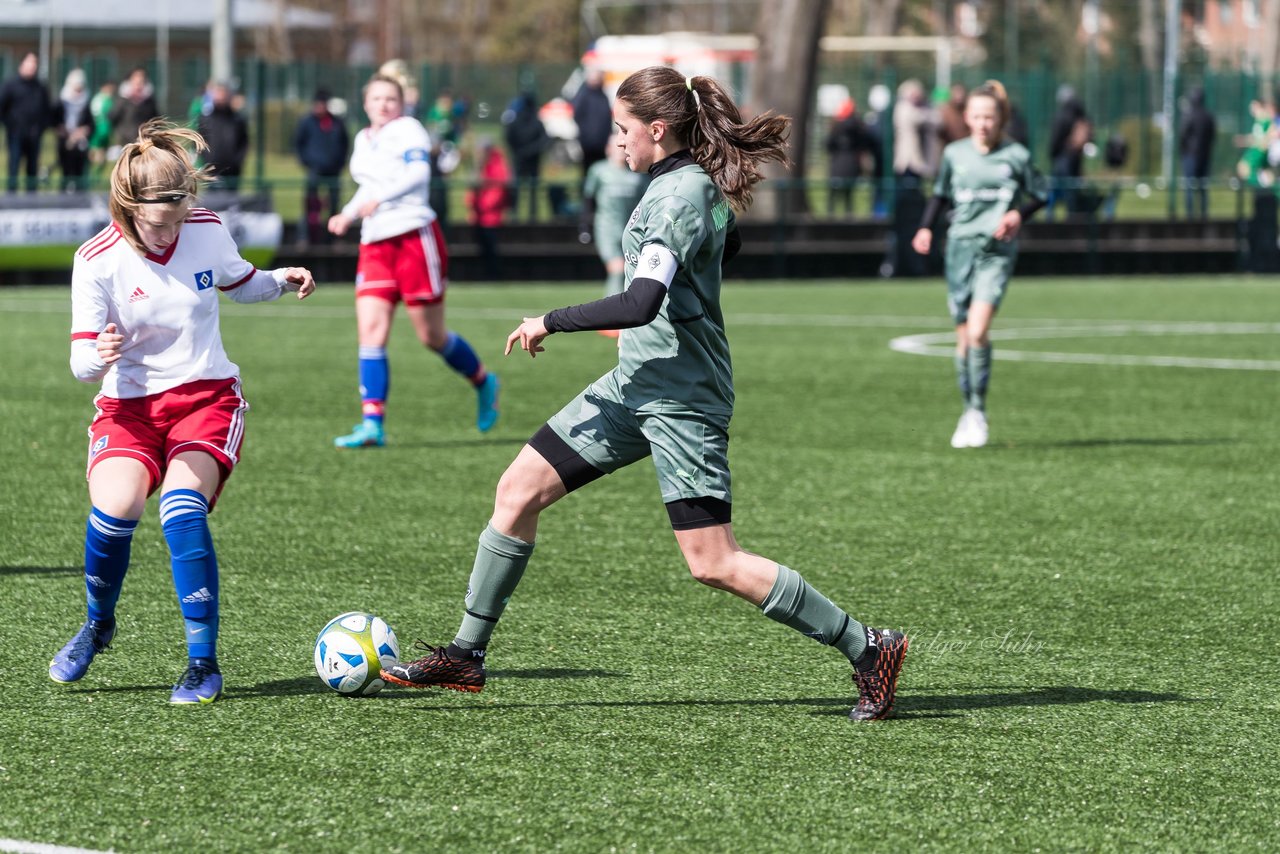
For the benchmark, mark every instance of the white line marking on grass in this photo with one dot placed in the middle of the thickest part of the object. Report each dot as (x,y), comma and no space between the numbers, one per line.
(943,344)
(17,846)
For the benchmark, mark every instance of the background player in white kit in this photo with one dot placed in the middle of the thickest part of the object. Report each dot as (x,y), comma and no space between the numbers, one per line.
(144,305)
(402,257)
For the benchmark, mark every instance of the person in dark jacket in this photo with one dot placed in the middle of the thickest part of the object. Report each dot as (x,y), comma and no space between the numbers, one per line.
(527,138)
(1070,132)
(26,114)
(593,115)
(135,105)
(1195,144)
(846,143)
(227,133)
(322,146)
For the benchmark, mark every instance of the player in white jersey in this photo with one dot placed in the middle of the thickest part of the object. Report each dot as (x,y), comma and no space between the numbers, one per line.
(402,257)
(144,305)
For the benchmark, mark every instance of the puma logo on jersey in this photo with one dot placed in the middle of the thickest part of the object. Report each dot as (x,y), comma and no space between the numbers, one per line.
(673,220)
(138,295)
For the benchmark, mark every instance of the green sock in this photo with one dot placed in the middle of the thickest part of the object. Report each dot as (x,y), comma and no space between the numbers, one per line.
(500,562)
(793,602)
(979,376)
(962,375)
(613,284)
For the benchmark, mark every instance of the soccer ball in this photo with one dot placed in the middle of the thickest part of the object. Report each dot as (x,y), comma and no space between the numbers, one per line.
(351,652)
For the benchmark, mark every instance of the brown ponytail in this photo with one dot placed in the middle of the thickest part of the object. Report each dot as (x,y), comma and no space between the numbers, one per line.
(156,169)
(701,114)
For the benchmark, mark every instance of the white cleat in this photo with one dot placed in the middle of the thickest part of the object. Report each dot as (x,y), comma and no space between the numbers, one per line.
(960,438)
(977,428)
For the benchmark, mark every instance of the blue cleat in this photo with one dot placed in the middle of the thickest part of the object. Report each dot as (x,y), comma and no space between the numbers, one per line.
(487,403)
(201,682)
(367,434)
(73,660)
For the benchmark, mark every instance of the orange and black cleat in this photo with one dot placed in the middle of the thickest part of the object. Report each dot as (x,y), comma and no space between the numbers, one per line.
(440,669)
(876,674)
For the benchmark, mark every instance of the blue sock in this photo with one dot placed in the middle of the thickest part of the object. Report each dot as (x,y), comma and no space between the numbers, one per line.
(184,516)
(457,354)
(106,559)
(375,382)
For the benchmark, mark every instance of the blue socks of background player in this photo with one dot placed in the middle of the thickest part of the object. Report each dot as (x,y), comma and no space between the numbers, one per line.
(457,354)
(184,517)
(375,382)
(107,541)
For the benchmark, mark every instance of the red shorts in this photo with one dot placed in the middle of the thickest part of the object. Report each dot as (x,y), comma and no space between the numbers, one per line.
(205,415)
(413,266)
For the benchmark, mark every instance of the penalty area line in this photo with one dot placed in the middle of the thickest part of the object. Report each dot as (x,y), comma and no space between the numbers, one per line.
(19,846)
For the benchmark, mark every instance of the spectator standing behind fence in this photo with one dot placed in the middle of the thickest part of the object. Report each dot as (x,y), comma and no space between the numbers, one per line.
(226,131)
(26,115)
(527,138)
(593,115)
(73,123)
(1068,135)
(322,144)
(609,196)
(134,105)
(913,132)
(486,204)
(1195,144)
(847,141)
(100,109)
(951,126)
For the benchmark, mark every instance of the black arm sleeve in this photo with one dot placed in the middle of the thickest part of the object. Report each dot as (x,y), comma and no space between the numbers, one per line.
(1029,207)
(932,210)
(732,245)
(635,306)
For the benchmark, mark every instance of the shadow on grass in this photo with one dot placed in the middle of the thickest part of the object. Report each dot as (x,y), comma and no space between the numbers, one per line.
(40,570)
(312,685)
(907,706)
(1132,442)
(913,705)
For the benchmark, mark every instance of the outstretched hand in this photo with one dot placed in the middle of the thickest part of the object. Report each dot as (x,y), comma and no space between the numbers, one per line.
(299,280)
(530,334)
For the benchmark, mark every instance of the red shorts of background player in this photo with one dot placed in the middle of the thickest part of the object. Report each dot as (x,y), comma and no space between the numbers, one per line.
(205,415)
(413,266)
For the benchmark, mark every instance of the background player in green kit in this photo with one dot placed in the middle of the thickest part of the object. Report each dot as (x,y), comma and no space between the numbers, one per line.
(671,395)
(610,193)
(982,177)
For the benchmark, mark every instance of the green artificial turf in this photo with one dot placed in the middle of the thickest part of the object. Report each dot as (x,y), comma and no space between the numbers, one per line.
(1092,598)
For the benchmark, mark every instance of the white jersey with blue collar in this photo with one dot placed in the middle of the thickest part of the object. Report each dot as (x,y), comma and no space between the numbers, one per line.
(165,306)
(391,167)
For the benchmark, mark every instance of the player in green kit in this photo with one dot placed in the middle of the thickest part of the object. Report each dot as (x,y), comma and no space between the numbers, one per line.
(610,193)
(670,397)
(982,177)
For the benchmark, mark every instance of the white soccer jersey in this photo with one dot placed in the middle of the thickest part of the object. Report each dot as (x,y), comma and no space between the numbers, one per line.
(391,166)
(165,306)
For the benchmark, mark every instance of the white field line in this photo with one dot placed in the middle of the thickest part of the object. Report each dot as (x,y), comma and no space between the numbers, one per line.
(943,344)
(925,344)
(18,846)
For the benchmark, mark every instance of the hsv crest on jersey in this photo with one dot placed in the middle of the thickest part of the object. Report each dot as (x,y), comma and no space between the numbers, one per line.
(204,280)
(98,446)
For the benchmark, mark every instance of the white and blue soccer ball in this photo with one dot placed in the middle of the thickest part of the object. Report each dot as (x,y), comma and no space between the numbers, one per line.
(351,651)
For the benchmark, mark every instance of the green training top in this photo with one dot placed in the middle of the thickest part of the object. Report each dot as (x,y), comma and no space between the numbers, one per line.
(680,361)
(983,187)
(617,190)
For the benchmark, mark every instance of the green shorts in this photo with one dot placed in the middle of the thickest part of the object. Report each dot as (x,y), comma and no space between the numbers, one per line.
(690,450)
(978,270)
